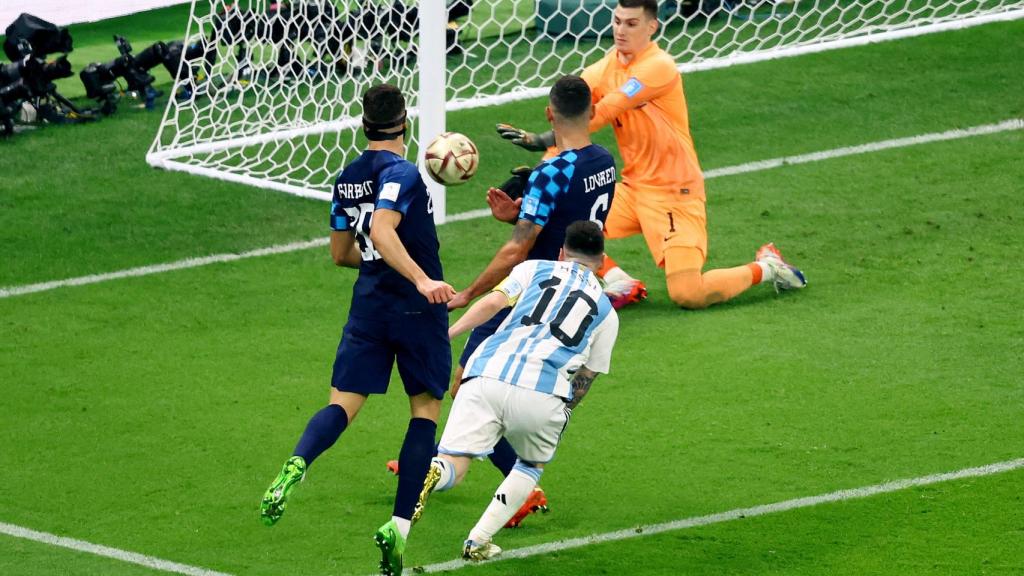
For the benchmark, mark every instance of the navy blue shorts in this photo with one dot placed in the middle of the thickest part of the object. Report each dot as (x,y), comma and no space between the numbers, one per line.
(481,332)
(370,347)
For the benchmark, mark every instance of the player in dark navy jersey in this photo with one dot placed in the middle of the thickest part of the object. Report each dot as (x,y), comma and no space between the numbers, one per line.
(577,184)
(382,223)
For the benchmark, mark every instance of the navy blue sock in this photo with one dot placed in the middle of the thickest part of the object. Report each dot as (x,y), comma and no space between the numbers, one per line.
(504,457)
(414,462)
(322,432)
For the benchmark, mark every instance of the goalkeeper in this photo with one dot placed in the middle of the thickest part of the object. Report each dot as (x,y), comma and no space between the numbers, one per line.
(638,90)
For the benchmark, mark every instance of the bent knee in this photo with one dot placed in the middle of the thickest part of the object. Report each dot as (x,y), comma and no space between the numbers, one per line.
(688,300)
(686,290)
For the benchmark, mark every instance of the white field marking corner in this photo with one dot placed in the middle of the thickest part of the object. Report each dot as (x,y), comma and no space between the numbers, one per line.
(764,509)
(1007,125)
(115,553)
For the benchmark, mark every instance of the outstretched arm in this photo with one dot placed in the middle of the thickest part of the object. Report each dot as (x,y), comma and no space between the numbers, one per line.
(581,382)
(651,80)
(481,312)
(511,253)
(533,141)
(384,236)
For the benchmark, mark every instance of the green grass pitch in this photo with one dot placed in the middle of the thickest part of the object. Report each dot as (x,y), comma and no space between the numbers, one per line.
(149,414)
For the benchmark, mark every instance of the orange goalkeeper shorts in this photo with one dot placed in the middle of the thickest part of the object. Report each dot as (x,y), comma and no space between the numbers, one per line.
(666,218)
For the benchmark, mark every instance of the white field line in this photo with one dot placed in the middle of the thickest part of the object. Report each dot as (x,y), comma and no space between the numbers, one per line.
(160,268)
(764,509)
(635,532)
(1005,126)
(115,553)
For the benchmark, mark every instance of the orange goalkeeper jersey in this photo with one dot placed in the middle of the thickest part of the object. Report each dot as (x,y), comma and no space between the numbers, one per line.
(645,104)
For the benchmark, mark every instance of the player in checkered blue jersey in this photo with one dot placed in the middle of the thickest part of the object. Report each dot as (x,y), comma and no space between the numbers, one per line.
(576,184)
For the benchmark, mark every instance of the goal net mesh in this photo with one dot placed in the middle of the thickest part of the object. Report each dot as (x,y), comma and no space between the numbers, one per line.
(269,94)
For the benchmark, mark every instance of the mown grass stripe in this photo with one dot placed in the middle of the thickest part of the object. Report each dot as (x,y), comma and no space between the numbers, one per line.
(107,551)
(762,510)
(956,134)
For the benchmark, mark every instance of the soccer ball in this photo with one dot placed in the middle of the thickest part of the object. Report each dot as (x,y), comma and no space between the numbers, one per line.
(452,159)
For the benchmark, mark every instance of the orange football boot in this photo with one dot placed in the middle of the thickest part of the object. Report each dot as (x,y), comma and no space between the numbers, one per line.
(534,502)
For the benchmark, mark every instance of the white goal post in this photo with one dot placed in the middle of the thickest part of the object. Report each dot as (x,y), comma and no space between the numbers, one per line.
(268,91)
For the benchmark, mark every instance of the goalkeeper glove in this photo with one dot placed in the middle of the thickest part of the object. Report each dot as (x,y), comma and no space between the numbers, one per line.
(532,141)
(515,186)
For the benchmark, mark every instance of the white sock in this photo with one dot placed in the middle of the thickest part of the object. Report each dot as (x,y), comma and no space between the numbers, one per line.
(616,274)
(510,496)
(767,274)
(403,525)
(447,481)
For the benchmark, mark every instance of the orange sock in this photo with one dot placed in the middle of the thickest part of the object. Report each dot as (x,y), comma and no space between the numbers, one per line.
(756,272)
(693,290)
(607,266)
(727,283)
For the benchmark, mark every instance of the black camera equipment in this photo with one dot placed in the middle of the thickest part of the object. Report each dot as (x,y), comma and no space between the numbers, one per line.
(43,38)
(29,78)
(190,65)
(100,79)
(13,93)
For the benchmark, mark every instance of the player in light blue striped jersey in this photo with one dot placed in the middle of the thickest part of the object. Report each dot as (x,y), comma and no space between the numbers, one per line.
(524,380)
(556,308)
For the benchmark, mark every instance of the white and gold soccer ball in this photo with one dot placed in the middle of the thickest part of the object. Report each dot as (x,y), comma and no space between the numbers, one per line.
(452,159)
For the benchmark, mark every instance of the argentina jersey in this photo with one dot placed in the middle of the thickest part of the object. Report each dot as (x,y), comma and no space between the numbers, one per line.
(380,179)
(575,185)
(560,320)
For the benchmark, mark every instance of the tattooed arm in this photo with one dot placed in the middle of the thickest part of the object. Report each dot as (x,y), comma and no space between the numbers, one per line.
(524,235)
(581,382)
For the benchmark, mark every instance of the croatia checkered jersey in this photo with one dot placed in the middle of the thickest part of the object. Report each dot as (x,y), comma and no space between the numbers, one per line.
(575,185)
(560,320)
(382,179)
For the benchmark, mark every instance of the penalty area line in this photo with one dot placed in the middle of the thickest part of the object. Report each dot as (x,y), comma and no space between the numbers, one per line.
(1005,126)
(99,550)
(762,510)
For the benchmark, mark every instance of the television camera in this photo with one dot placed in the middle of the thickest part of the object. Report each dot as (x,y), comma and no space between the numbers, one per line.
(29,78)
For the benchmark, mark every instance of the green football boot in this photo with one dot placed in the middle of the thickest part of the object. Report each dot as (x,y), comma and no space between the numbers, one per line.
(433,476)
(392,547)
(276,497)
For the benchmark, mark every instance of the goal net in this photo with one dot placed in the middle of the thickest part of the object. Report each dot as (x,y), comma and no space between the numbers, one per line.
(268,94)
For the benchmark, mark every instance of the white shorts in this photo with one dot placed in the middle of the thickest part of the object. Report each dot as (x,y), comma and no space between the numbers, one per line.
(486,409)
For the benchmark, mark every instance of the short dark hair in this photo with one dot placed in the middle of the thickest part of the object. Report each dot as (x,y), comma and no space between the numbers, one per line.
(650,6)
(383,103)
(570,97)
(585,238)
